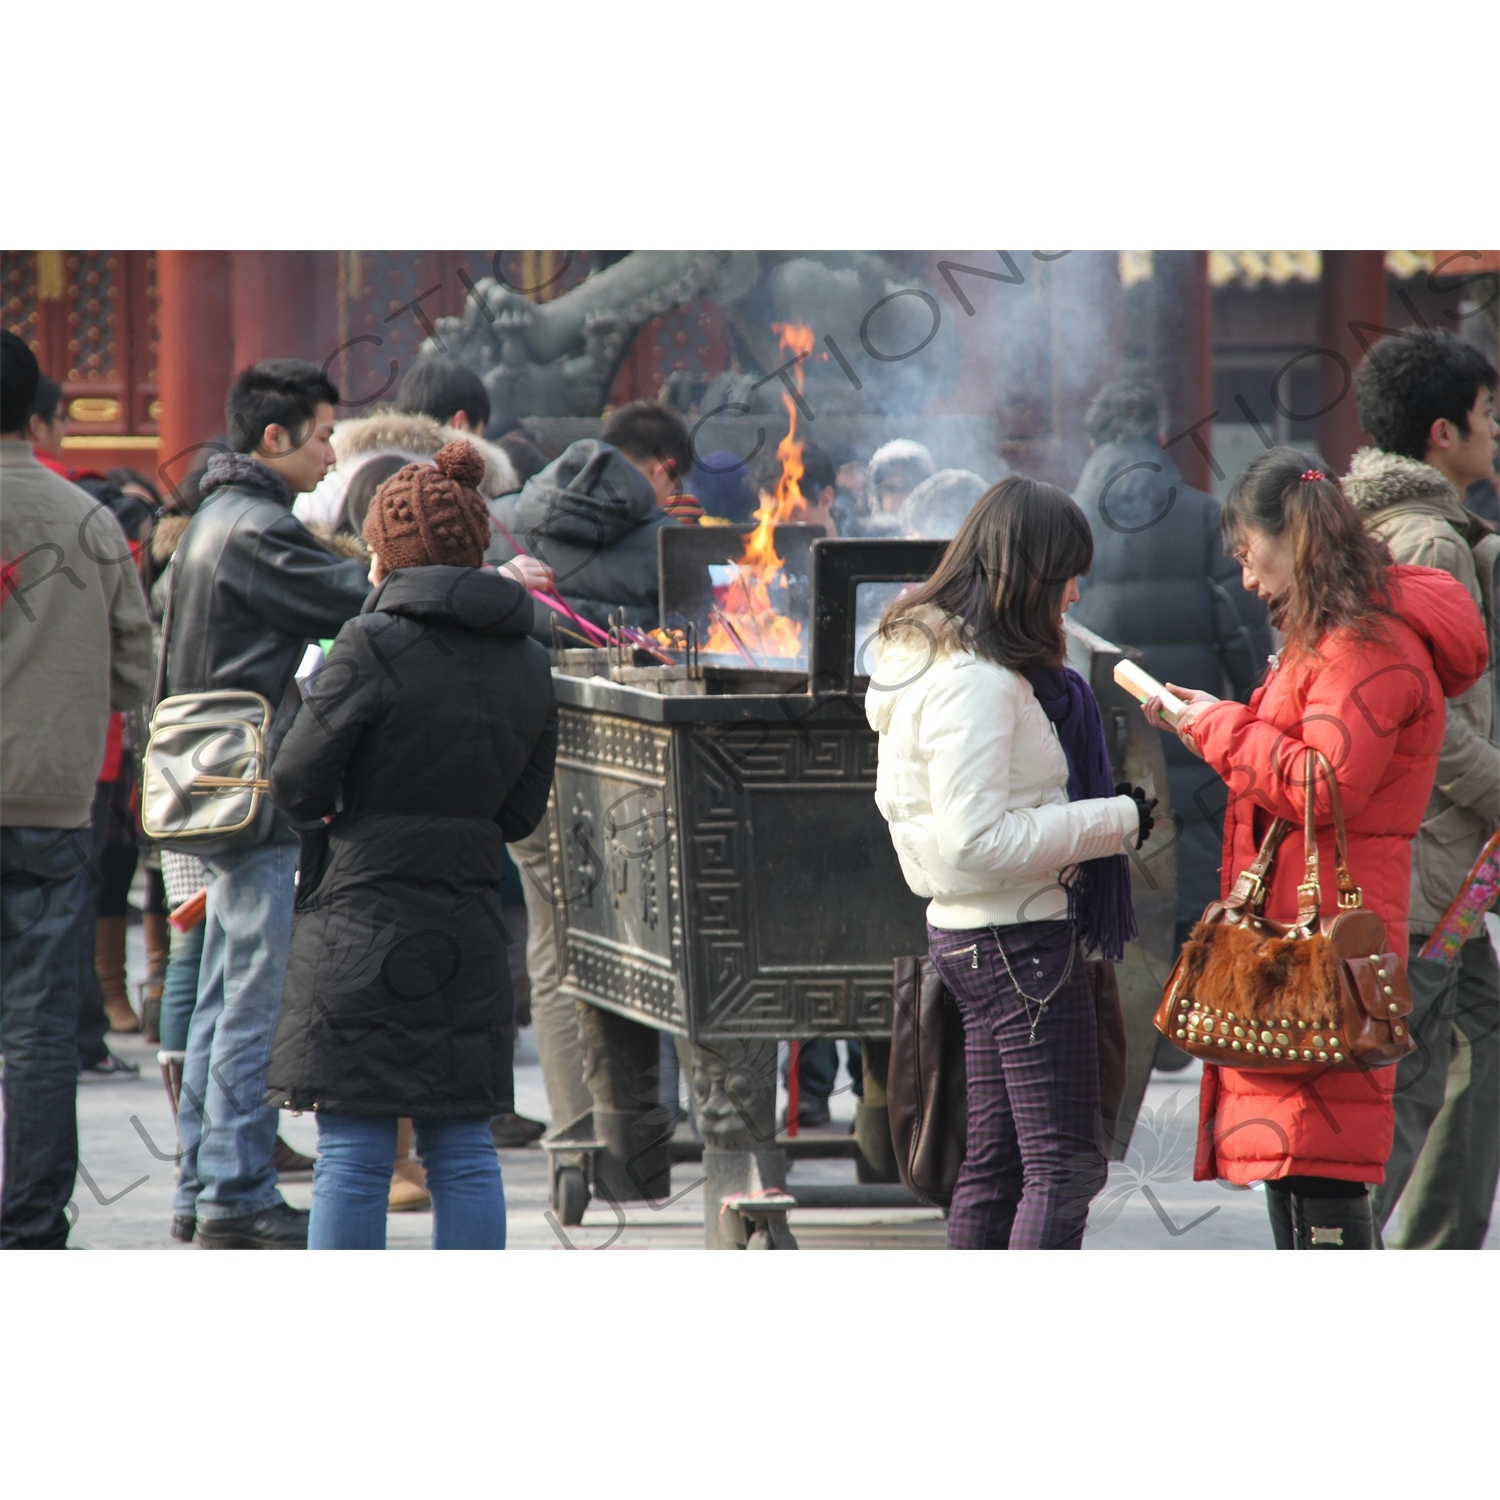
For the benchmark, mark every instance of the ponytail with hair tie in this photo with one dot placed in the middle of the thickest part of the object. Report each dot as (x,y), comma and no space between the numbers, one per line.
(1338,573)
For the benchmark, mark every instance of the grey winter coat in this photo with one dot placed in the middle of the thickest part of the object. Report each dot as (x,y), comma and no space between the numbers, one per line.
(1161,582)
(75,642)
(592,517)
(1416,512)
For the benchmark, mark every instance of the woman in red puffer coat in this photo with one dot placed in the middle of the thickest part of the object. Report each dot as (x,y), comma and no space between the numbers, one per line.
(1371,652)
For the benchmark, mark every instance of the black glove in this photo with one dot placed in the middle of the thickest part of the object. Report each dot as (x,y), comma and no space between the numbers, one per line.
(1142,807)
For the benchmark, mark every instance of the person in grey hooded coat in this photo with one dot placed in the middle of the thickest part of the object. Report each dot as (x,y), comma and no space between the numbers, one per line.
(1161,582)
(592,515)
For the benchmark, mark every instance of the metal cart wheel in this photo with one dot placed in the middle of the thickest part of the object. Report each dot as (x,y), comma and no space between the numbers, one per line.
(572,1194)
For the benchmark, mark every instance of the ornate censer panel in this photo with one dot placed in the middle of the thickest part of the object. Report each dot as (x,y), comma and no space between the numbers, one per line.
(615,866)
(796,903)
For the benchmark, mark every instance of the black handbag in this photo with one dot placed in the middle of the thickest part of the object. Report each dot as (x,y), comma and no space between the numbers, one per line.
(927,1090)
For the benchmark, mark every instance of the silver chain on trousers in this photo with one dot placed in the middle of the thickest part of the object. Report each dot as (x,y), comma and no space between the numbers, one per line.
(1027,1001)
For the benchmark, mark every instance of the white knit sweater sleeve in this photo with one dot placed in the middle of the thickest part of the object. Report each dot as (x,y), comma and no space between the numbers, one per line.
(969,738)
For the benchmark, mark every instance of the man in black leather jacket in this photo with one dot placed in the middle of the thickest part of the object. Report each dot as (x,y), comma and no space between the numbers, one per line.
(250,588)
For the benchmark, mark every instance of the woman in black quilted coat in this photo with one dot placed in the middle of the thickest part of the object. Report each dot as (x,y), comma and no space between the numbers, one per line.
(425,745)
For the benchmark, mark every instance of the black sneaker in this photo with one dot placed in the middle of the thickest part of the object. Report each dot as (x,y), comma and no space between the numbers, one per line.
(184,1227)
(812,1111)
(280,1227)
(110,1069)
(510,1132)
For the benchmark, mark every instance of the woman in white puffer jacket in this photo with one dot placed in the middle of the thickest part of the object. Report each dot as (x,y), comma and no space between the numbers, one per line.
(995,781)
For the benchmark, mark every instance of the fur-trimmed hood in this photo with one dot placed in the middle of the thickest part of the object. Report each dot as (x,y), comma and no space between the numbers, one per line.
(417,437)
(340,543)
(411,436)
(1378,482)
(165,536)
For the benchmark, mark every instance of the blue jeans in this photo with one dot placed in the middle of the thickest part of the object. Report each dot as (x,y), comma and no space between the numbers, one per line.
(227,1134)
(47,881)
(820,1067)
(179,990)
(352,1182)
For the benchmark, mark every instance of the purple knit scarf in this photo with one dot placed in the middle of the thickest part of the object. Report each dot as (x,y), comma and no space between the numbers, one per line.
(1099,892)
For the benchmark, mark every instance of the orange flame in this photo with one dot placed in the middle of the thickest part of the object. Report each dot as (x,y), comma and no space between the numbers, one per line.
(749,614)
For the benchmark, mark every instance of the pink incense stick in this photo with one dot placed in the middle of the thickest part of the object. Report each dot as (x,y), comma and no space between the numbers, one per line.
(599,637)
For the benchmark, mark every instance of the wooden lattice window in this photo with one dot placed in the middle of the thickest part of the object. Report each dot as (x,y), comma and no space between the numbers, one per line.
(90,318)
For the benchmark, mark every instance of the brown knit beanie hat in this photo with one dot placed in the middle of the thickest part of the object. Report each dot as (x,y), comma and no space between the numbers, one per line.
(425,515)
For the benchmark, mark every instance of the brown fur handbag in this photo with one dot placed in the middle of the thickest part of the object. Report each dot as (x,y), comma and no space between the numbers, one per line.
(1316,995)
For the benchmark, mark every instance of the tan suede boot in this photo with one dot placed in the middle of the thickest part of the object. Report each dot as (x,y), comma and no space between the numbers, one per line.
(157,933)
(409,1193)
(109,965)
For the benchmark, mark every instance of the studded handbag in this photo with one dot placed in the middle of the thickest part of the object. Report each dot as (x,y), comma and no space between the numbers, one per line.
(1318,994)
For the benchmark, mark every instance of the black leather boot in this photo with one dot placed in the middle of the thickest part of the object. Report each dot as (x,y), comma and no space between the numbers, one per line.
(1279,1206)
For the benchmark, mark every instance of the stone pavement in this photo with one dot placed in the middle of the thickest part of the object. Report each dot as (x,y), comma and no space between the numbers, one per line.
(126,1146)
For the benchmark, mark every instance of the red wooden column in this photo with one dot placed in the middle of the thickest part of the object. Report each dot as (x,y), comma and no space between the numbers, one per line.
(1353,292)
(1182,358)
(194,355)
(285,305)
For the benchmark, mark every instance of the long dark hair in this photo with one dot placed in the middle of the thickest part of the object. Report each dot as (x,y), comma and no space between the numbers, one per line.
(1338,568)
(1001,581)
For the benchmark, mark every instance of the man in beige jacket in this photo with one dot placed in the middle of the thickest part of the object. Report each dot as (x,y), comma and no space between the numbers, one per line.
(1428,400)
(75,644)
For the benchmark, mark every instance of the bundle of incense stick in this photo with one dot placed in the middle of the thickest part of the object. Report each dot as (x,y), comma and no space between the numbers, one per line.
(638,638)
(1142,686)
(191,912)
(734,636)
(593,632)
(599,637)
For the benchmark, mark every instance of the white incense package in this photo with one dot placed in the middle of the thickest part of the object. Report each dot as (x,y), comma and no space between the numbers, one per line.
(1141,685)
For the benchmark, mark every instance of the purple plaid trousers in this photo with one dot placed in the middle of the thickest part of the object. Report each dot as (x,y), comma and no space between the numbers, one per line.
(1034,1159)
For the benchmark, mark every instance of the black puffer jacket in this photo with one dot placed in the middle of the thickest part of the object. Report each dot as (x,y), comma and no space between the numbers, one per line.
(250,587)
(1161,582)
(592,517)
(434,718)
